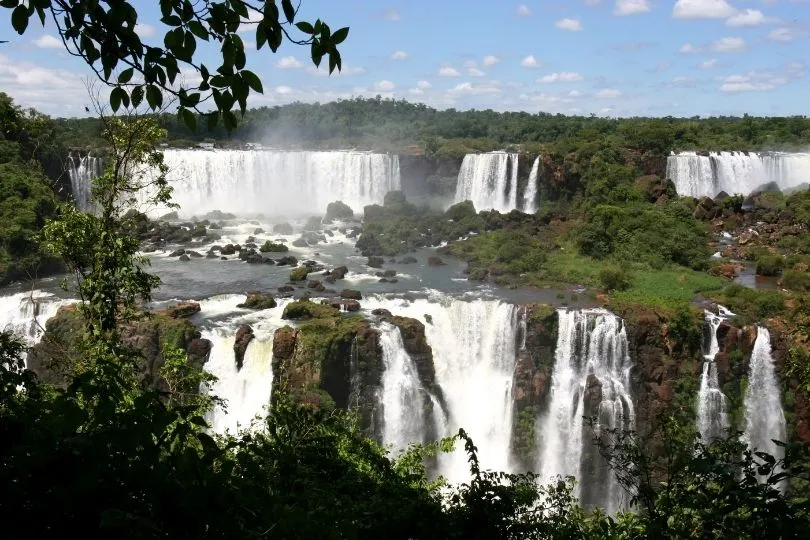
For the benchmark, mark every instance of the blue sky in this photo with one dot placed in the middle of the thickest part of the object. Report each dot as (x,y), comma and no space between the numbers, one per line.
(608,57)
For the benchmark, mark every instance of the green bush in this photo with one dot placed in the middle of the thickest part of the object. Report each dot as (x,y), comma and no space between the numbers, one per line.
(770,265)
(299,274)
(461,211)
(796,280)
(614,279)
(270,247)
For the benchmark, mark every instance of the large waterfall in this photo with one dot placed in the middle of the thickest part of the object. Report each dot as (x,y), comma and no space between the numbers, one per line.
(25,314)
(736,172)
(712,413)
(764,418)
(590,378)
(530,195)
(82,169)
(280,183)
(489,181)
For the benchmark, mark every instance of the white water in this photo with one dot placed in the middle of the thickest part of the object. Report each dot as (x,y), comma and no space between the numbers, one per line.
(589,342)
(530,195)
(764,418)
(25,314)
(473,346)
(279,183)
(402,395)
(246,391)
(484,179)
(712,411)
(82,170)
(736,172)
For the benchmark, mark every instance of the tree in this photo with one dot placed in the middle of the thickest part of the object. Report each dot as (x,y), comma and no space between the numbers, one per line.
(104,33)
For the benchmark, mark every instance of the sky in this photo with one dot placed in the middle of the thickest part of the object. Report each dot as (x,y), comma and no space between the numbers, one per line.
(607,57)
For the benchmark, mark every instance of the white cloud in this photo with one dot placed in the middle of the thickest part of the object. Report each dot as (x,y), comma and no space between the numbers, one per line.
(490,60)
(249,24)
(523,10)
(708,64)
(785,35)
(289,62)
(416,91)
(572,25)
(702,9)
(729,45)
(384,86)
(631,7)
(574,94)
(760,81)
(682,81)
(475,89)
(423,85)
(52,91)
(562,77)
(608,93)
(449,72)
(749,17)
(399,55)
(475,72)
(392,15)
(145,30)
(688,48)
(46,41)
(282,90)
(530,62)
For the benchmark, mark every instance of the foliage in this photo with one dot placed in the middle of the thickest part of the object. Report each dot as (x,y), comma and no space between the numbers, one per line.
(685,328)
(105,36)
(184,380)
(770,265)
(615,279)
(270,247)
(752,303)
(796,280)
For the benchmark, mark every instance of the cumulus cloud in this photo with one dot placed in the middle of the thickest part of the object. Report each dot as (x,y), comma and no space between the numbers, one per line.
(608,93)
(282,90)
(688,48)
(729,45)
(702,9)
(145,30)
(561,77)
(47,41)
(748,17)
(708,64)
(449,72)
(523,10)
(475,89)
(785,35)
(289,62)
(399,55)
(416,91)
(423,85)
(631,7)
(475,72)
(384,86)
(572,25)
(530,62)
(490,60)
(52,91)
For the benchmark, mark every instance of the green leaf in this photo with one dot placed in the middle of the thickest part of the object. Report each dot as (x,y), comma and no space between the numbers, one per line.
(261,37)
(305,27)
(137,95)
(115,98)
(229,119)
(198,29)
(289,10)
(213,119)
(154,96)
(252,81)
(340,36)
(125,76)
(19,19)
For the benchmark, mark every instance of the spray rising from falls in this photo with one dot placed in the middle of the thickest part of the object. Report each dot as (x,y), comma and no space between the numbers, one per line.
(764,417)
(530,196)
(249,182)
(712,412)
(25,314)
(590,378)
(82,169)
(489,181)
(736,172)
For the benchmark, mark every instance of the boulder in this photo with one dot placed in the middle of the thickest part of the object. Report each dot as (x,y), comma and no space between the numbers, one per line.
(339,272)
(300,242)
(184,258)
(243,338)
(434,260)
(351,294)
(289,260)
(195,254)
(183,310)
(258,230)
(228,249)
(407,260)
(270,247)
(255,258)
(286,289)
(386,274)
(258,300)
(283,228)
(284,343)
(338,210)
(343,304)
(375,261)
(177,252)
(593,395)
(381,312)
(210,255)
(315,285)
(299,274)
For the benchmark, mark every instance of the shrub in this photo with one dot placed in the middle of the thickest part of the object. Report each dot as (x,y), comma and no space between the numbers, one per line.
(461,211)
(614,279)
(270,247)
(770,265)
(796,280)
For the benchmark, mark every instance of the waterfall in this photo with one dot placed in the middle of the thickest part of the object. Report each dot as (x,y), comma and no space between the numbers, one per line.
(712,412)
(764,418)
(474,353)
(736,172)
(246,391)
(530,195)
(402,395)
(485,180)
(250,182)
(25,314)
(591,377)
(82,169)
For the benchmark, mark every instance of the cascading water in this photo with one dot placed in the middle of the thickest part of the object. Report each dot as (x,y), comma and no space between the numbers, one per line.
(488,181)
(736,172)
(591,377)
(764,417)
(25,314)
(82,169)
(474,355)
(249,182)
(247,391)
(402,395)
(530,195)
(712,412)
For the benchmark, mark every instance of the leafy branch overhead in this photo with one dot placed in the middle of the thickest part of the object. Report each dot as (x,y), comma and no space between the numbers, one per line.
(104,34)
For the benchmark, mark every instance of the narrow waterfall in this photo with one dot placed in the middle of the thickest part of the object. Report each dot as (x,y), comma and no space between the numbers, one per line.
(591,377)
(764,417)
(246,391)
(488,181)
(712,412)
(402,396)
(474,354)
(82,169)
(530,195)
(250,182)
(25,314)
(736,172)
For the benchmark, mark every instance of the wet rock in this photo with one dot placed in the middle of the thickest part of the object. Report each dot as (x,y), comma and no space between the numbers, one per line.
(228,249)
(195,254)
(243,338)
(171,216)
(183,310)
(284,343)
(380,312)
(300,242)
(299,274)
(184,258)
(315,285)
(351,294)
(338,273)
(255,258)
(149,248)
(593,395)
(706,209)
(258,230)
(343,304)
(210,255)
(286,289)
(289,260)
(258,300)
(386,274)
(407,260)
(375,261)
(177,253)
(223,258)
(434,260)
(283,228)
(270,247)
